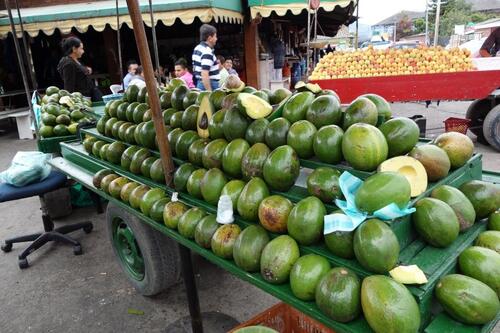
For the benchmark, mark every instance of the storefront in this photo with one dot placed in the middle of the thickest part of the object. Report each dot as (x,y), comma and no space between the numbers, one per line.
(176,27)
(283,28)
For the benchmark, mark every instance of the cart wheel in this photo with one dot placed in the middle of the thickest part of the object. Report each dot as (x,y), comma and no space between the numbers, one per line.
(476,112)
(149,259)
(491,127)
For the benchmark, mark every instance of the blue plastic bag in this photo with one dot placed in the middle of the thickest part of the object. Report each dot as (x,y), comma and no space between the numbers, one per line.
(37,110)
(27,167)
(352,216)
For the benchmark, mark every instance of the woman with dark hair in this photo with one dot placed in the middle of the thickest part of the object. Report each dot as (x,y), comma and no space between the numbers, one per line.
(73,73)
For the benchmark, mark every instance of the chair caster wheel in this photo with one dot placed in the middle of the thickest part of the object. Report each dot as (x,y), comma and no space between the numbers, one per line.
(23,263)
(77,250)
(88,229)
(6,247)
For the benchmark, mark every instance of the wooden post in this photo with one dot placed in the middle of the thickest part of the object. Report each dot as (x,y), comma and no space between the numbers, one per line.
(145,56)
(251,53)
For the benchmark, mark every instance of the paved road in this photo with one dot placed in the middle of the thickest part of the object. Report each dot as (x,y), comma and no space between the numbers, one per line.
(88,293)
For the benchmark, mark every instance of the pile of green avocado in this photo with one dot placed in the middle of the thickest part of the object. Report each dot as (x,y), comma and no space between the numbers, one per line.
(250,144)
(61,112)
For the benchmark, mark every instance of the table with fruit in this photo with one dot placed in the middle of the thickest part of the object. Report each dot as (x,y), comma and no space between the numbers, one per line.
(59,114)
(280,157)
(419,74)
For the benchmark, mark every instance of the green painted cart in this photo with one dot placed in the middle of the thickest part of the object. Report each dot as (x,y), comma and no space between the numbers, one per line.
(135,236)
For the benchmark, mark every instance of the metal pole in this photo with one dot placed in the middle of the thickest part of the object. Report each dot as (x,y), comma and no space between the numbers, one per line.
(27,49)
(21,62)
(308,35)
(436,28)
(118,38)
(357,27)
(426,24)
(192,292)
(395,32)
(155,43)
(145,56)
(315,53)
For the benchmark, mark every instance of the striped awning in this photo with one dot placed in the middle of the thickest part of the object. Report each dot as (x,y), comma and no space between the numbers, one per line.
(99,14)
(281,7)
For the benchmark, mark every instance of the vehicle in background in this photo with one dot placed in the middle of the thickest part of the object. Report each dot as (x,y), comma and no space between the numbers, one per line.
(380,45)
(473,46)
(403,45)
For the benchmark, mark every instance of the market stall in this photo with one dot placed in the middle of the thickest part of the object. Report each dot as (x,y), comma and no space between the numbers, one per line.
(45,26)
(283,29)
(96,25)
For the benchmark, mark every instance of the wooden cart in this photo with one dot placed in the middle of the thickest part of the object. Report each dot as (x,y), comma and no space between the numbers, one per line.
(481,85)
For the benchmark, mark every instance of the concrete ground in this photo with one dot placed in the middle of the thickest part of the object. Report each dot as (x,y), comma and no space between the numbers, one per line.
(61,292)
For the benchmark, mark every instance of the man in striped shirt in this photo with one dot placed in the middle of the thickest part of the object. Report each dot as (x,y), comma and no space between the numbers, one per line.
(205,66)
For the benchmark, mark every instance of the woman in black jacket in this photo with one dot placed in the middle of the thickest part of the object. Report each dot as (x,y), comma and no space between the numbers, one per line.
(73,73)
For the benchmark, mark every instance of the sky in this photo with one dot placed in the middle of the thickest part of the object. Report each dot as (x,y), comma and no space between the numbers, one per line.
(373,11)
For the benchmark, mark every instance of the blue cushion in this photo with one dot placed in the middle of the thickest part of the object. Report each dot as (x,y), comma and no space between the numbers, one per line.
(52,182)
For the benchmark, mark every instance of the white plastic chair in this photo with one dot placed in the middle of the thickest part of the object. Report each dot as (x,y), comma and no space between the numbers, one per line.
(115,88)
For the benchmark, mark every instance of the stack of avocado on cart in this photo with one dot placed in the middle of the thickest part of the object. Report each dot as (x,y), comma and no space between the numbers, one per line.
(60,114)
(282,161)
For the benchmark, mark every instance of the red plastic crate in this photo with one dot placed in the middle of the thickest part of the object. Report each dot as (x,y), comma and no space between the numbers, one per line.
(457,125)
(285,319)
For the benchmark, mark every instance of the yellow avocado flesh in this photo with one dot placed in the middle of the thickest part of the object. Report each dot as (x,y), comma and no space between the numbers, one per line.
(205,112)
(255,107)
(408,275)
(409,167)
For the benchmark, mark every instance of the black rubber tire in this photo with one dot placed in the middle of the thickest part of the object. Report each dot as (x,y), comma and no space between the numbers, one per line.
(476,112)
(160,253)
(491,128)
